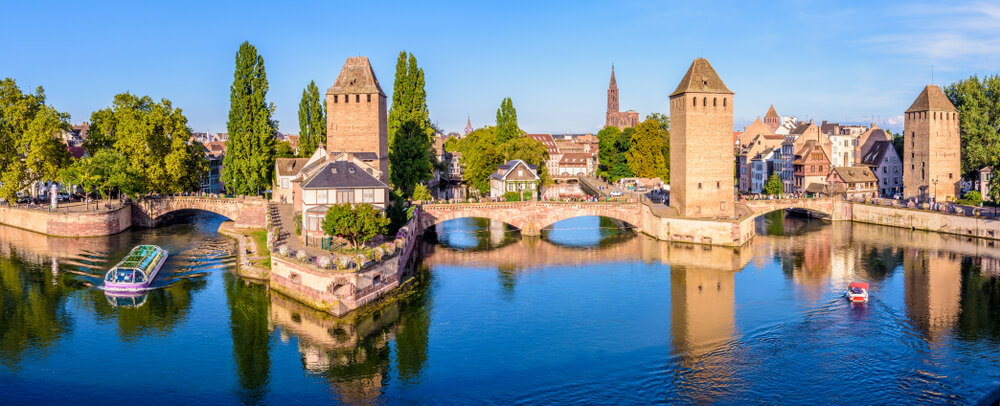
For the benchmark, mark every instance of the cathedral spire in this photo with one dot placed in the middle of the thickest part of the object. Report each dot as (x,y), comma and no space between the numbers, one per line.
(613,93)
(468,125)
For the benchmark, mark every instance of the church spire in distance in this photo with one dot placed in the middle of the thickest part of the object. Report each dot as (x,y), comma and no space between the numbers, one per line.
(468,125)
(613,93)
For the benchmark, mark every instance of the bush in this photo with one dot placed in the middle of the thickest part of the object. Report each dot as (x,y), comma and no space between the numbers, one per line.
(972,198)
(323,262)
(389,248)
(400,243)
(512,196)
(301,255)
(343,263)
(283,251)
(378,253)
(361,260)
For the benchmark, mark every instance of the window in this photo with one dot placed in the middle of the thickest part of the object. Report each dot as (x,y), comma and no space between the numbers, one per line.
(321,197)
(714,101)
(704,101)
(722,206)
(718,185)
(949,176)
(368,196)
(345,196)
(369,98)
(723,102)
(357,98)
(699,186)
(694,102)
(334,98)
(284,183)
(347,98)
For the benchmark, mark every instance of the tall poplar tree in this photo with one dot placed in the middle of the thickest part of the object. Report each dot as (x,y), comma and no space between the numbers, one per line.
(507,128)
(410,160)
(249,162)
(312,121)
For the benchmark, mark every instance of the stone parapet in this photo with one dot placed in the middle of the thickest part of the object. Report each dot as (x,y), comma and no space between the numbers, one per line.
(63,224)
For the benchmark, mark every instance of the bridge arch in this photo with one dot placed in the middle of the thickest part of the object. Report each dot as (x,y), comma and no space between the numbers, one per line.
(821,207)
(529,217)
(247,212)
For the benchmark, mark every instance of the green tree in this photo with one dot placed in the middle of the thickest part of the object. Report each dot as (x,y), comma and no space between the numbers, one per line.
(357,224)
(529,150)
(153,139)
(507,128)
(645,153)
(249,161)
(663,122)
(773,185)
(284,150)
(897,142)
(613,146)
(411,158)
(451,144)
(29,149)
(421,193)
(978,104)
(480,155)
(312,121)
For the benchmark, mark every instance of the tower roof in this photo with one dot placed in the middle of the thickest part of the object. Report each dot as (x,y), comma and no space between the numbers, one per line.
(931,98)
(771,113)
(356,76)
(613,84)
(701,78)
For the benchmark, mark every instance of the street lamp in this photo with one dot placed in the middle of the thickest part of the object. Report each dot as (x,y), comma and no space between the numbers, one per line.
(934,196)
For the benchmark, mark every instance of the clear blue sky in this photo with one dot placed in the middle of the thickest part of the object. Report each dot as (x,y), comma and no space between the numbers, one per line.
(847,62)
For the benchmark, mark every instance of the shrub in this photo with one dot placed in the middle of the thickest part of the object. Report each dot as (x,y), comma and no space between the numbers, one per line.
(400,243)
(323,262)
(343,263)
(512,196)
(972,198)
(378,253)
(361,260)
(283,251)
(301,255)
(390,248)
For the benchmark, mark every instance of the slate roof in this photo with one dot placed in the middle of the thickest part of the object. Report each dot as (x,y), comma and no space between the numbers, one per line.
(876,153)
(931,98)
(547,141)
(356,76)
(701,78)
(504,169)
(341,174)
(290,166)
(855,174)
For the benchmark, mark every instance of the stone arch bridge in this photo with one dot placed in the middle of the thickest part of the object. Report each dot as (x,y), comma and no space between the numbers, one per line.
(830,208)
(532,216)
(246,212)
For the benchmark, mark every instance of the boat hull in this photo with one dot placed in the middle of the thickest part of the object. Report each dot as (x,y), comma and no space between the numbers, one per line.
(137,287)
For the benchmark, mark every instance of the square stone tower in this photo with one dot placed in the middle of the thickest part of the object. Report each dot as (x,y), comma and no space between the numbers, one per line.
(356,119)
(932,155)
(701,144)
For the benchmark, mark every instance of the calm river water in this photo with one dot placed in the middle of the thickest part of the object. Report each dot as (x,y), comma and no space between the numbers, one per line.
(587,314)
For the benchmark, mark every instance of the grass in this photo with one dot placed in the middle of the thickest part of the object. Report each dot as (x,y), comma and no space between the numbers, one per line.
(260,239)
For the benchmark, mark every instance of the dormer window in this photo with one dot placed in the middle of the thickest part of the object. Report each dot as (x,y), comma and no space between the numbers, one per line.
(350,169)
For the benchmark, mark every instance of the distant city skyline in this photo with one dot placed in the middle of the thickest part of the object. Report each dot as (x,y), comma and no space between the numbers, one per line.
(850,62)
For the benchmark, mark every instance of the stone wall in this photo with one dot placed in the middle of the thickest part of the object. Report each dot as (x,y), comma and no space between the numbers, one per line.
(926,220)
(63,224)
(246,212)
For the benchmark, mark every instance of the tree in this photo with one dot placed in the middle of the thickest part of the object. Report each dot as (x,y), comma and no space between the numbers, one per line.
(978,104)
(613,146)
(529,150)
(312,121)
(412,161)
(451,144)
(29,149)
(249,162)
(357,224)
(284,150)
(773,185)
(421,193)
(897,142)
(645,153)
(409,99)
(664,124)
(480,155)
(153,141)
(507,128)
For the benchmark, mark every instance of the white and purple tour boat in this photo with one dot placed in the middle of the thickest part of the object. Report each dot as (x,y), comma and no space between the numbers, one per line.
(137,271)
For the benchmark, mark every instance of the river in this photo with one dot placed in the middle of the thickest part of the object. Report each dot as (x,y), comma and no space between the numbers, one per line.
(586,314)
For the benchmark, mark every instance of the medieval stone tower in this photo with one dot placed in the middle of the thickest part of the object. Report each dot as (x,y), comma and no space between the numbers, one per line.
(701,144)
(356,115)
(932,154)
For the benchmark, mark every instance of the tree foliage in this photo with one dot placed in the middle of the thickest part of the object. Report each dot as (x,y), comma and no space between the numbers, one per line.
(507,128)
(421,193)
(645,153)
(358,224)
(151,142)
(529,150)
(411,157)
(613,146)
(249,162)
(774,185)
(312,121)
(978,104)
(29,149)
(663,122)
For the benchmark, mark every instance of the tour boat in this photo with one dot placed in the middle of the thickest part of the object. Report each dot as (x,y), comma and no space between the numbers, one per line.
(857,292)
(137,271)
(126,298)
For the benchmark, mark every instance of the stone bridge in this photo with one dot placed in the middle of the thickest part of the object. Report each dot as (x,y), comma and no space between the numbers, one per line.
(246,212)
(826,207)
(530,217)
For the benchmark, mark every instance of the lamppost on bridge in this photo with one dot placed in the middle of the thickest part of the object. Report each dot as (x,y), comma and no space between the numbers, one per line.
(934,193)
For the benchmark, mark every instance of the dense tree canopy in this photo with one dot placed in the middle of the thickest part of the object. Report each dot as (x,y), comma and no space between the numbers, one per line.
(507,128)
(645,153)
(774,185)
(480,156)
(411,160)
(358,223)
(151,143)
(978,104)
(312,121)
(29,149)
(486,148)
(249,162)
(613,146)
(663,122)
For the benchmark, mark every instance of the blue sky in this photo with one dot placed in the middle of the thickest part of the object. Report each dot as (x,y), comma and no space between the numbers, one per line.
(847,62)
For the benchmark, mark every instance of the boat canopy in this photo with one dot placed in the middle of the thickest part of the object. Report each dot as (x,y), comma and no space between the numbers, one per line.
(859,285)
(136,266)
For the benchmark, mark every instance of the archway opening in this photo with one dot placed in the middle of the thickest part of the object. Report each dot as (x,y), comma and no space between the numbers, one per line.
(471,233)
(588,231)
(789,222)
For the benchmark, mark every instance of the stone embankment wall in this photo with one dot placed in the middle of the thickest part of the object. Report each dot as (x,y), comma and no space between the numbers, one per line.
(926,220)
(63,224)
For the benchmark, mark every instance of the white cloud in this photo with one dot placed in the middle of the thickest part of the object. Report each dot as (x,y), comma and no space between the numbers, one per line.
(942,33)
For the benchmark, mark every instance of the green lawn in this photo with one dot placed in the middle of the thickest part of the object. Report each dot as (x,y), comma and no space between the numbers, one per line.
(260,239)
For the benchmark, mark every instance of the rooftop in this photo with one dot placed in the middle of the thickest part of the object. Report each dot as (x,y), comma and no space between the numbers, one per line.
(701,78)
(931,98)
(356,76)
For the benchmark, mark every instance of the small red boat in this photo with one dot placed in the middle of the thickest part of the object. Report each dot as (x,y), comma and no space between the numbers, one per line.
(857,292)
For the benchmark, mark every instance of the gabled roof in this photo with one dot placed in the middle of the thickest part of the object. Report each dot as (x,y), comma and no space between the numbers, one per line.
(356,76)
(701,78)
(289,166)
(341,174)
(931,98)
(547,141)
(505,169)
(755,128)
(877,153)
(574,159)
(771,113)
(855,174)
